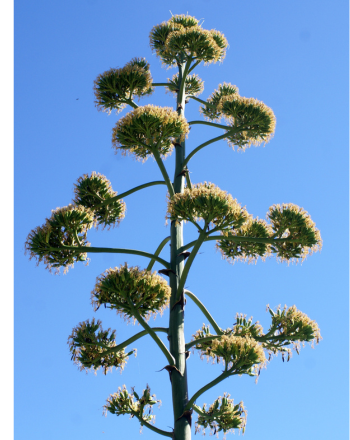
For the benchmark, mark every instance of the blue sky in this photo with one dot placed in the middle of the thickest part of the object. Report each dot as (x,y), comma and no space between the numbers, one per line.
(293,56)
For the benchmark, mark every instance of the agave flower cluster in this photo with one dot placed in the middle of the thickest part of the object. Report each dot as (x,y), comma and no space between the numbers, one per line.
(116,88)
(250,121)
(291,326)
(293,236)
(207,202)
(55,241)
(122,402)
(182,38)
(247,251)
(92,348)
(193,85)
(239,354)
(292,222)
(149,128)
(95,192)
(222,415)
(130,290)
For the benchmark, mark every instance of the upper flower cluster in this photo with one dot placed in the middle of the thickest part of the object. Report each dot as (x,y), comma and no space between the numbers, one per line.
(250,121)
(147,128)
(182,38)
(116,88)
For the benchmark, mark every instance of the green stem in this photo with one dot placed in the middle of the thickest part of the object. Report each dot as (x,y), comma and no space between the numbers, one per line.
(97,250)
(127,342)
(189,261)
(201,340)
(157,252)
(201,101)
(204,311)
(151,427)
(151,332)
(214,382)
(212,124)
(183,81)
(126,193)
(194,65)
(131,103)
(188,180)
(218,138)
(163,171)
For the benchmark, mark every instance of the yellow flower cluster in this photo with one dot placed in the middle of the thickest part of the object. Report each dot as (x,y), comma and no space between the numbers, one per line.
(182,37)
(92,190)
(147,128)
(238,352)
(115,88)
(92,352)
(127,289)
(122,402)
(222,415)
(211,112)
(292,323)
(256,118)
(295,224)
(193,85)
(67,226)
(205,201)
(246,251)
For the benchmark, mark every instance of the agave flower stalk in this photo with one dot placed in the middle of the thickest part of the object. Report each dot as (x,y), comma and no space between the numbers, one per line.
(136,294)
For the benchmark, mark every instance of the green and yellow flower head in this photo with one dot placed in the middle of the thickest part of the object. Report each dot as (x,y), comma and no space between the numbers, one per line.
(122,402)
(193,85)
(182,38)
(207,202)
(222,415)
(250,250)
(149,128)
(92,348)
(293,327)
(294,224)
(94,192)
(115,88)
(256,122)
(211,111)
(242,354)
(67,226)
(129,289)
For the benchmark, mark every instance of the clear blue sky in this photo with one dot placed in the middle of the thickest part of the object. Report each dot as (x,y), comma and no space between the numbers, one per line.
(291,55)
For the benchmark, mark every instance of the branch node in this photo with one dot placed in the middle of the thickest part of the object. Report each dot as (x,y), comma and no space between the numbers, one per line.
(188,416)
(166,272)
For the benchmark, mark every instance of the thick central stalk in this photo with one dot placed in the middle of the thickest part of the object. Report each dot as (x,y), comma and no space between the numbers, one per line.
(182,428)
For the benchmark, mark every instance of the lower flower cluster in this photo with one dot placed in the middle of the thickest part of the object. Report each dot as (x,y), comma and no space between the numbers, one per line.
(222,415)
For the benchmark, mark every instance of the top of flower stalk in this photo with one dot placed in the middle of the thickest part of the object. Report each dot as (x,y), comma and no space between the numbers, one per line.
(92,191)
(116,88)
(67,226)
(181,38)
(222,415)
(147,128)
(205,201)
(129,289)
